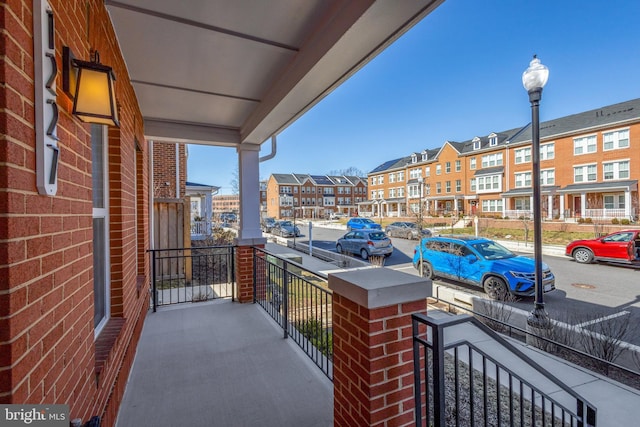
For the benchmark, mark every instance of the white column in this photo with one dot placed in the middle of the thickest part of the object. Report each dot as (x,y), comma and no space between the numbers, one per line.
(550,206)
(583,204)
(561,206)
(249,174)
(627,203)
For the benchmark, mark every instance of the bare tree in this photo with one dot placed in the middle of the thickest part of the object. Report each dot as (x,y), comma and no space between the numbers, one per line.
(350,171)
(235,181)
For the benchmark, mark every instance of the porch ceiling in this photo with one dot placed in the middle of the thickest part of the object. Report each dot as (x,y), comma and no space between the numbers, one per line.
(225,73)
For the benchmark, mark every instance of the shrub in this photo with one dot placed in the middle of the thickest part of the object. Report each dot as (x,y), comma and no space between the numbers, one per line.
(588,221)
(580,220)
(615,221)
(625,221)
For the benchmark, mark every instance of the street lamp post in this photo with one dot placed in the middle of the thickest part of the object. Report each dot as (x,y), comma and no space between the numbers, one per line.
(534,78)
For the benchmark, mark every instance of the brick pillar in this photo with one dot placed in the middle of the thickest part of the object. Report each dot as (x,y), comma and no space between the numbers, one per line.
(372,344)
(244,267)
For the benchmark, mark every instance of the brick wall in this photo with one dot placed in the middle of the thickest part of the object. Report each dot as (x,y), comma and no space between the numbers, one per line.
(165,169)
(373,363)
(48,353)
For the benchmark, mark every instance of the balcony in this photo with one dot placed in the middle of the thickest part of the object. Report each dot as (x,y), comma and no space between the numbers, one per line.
(224,363)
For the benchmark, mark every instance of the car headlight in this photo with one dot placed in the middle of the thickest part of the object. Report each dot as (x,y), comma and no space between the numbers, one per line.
(520,275)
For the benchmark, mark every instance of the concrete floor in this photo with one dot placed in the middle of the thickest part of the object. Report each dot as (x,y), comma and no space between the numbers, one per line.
(222,364)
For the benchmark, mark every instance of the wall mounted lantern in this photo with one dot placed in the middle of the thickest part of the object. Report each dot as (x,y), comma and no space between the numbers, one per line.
(91,86)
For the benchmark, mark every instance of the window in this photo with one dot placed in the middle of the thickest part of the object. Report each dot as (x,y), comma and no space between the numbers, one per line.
(547,177)
(392,177)
(547,151)
(447,167)
(458,166)
(400,176)
(438,187)
(438,169)
(458,185)
(489,183)
(472,184)
(493,141)
(414,190)
(427,171)
(392,192)
(614,201)
(380,194)
(615,170)
(400,191)
(490,160)
(381,179)
(415,173)
(295,190)
(447,186)
(427,189)
(522,155)
(523,179)
(585,173)
(472,163)
(414,158)
(100,186)
(424,156)
(476,143)
(492,205)
(374,180)
(615,140)
(584,145)
(523,204)
(373,194)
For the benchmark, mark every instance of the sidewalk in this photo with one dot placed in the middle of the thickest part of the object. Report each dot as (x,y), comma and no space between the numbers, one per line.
(616,404)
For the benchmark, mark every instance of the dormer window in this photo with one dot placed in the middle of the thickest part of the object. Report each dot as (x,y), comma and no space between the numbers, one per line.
(414,158)
(424,157)
(476,143)
(493,140)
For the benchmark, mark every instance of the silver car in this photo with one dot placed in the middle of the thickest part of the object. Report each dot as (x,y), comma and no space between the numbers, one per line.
(406,230)
(365,243)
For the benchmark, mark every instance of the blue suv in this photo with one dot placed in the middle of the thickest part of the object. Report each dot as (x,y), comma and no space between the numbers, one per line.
(362,224)
(481,262)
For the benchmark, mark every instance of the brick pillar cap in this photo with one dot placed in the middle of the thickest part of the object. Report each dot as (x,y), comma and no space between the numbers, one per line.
(379,287)
(250,242)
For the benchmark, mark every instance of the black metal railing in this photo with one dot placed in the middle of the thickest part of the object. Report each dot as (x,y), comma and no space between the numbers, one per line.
(300,301)
(191,274)
(456,382)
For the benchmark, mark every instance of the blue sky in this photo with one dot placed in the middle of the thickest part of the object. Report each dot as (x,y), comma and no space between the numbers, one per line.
(454,76)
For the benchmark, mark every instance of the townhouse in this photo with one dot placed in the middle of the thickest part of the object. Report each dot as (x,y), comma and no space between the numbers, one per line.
(313,196)
(589,168)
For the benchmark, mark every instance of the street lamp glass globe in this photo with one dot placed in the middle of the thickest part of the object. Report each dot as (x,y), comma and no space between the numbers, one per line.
(536,76)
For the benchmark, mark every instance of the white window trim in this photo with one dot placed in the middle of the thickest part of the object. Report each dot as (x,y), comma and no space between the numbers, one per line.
(616,170)
(104,213)
(543,150)
(616,147)
(585,137)
(584,167)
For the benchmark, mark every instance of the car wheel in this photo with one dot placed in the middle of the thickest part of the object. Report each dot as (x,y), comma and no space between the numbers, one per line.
(364,254)
(409,235)
(339,249)
(495,288)
(583,255)
(427,270)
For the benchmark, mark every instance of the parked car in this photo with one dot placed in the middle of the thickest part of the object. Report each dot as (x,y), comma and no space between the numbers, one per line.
(337,215)
(362,224)
(365,243)
(267,224)
(228,217)
(621,247)
(406,230)
(481,262)
(285,229)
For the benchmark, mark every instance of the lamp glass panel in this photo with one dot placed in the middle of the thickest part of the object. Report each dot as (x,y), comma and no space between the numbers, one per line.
(93,93)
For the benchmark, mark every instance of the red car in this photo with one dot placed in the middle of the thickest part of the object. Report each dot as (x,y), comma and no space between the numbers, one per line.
(621,246)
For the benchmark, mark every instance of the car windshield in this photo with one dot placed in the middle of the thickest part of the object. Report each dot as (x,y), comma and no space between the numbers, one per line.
(377,236)
(286,224)
(492,250)
(367,221)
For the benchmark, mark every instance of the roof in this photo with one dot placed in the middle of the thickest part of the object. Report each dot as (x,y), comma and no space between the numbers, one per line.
(390,164)
(581,122)
(601,186)
(233,73)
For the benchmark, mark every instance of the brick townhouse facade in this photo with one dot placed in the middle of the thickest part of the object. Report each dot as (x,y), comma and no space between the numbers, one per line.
(589,169)
(313,196)
(169,170)
(73,262)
